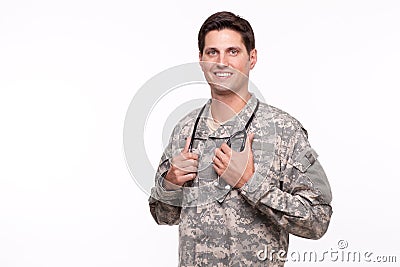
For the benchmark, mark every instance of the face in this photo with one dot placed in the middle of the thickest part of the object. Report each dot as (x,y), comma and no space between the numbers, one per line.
(226,63)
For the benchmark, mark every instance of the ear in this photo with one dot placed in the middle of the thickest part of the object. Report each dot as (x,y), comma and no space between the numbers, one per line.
(253,58)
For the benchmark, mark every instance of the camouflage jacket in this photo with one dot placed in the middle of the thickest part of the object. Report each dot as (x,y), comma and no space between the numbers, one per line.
(221,226)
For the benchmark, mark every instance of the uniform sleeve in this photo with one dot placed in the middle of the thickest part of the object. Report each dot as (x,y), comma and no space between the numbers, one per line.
(165,205)
(296,194)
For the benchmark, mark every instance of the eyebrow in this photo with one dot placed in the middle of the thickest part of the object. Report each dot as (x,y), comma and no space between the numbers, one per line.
(229,48)
(234,47)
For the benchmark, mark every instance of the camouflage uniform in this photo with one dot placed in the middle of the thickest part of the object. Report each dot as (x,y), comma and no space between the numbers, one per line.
(222,226)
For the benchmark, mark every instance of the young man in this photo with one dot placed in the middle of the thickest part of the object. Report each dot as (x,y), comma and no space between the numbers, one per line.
(238,175)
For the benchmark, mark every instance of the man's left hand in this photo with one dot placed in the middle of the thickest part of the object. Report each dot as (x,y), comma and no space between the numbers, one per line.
(236,168)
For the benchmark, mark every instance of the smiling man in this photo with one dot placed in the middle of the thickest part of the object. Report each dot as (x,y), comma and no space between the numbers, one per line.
(238,175)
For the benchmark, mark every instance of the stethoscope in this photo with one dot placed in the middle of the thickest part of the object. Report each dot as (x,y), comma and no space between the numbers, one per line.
(229,141)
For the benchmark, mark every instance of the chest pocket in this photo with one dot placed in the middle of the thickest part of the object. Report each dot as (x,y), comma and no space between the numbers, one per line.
(205,150)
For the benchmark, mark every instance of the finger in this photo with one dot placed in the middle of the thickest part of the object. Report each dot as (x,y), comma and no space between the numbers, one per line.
(221,155)
(249,142)
(189,169)
(226,149)
(182,170)
(185,157)
(190,156)
(185,161)
(186,148)
(191,162)
(218,163)
(187,177)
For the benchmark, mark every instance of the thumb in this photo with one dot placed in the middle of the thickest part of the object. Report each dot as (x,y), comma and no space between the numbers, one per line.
(249,141)
(186,148)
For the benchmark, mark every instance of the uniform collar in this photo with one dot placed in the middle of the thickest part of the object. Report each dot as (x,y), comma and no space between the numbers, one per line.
(236,123)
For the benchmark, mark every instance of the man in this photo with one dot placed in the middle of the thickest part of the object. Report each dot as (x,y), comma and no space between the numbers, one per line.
(238,175)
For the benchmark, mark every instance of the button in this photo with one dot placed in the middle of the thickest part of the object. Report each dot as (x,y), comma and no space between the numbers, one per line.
(216,183)
(227,187)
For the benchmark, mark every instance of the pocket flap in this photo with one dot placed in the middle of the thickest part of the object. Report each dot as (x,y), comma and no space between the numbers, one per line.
(305,159)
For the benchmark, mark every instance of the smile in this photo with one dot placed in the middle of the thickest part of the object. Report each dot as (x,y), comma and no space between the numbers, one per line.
(223,74)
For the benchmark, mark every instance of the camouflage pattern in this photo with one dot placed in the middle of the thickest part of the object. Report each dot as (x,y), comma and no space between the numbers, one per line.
(220,226)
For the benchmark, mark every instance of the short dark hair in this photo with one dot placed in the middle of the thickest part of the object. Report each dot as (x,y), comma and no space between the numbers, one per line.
(227,20)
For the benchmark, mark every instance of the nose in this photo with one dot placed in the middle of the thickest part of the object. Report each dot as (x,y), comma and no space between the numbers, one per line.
(222,61)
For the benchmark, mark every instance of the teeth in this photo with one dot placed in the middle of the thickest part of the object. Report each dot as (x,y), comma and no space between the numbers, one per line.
(223,74)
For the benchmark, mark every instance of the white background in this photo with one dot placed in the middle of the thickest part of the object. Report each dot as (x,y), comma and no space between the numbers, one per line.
(69,69)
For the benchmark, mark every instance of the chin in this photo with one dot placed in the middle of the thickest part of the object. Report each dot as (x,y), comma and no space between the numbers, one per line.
(222,90)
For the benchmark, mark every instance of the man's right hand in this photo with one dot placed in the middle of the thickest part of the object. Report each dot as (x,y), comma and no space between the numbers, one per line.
(183,168)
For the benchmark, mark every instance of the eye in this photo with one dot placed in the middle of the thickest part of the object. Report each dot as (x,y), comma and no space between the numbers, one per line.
(233,52)
(211,52)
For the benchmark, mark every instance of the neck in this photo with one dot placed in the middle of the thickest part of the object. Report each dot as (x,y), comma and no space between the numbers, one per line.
(224,107)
